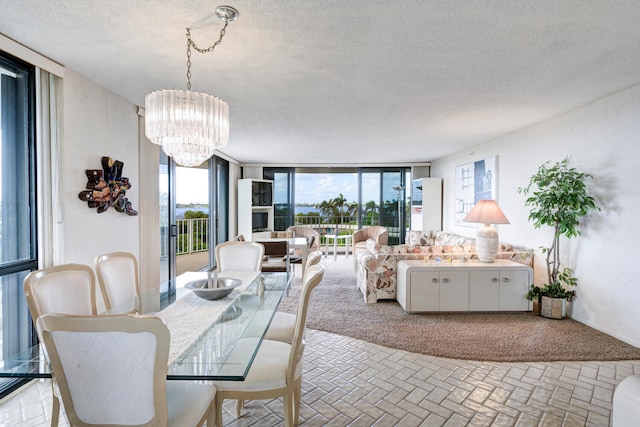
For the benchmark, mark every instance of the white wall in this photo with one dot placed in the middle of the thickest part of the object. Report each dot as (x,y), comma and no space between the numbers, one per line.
(96,123)
(602,139)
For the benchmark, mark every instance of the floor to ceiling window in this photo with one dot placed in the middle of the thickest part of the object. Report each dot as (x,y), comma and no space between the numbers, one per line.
(333,199)
(17,205)
(167,232)
(194,214)
(220,201)
(284,198)
(383,200)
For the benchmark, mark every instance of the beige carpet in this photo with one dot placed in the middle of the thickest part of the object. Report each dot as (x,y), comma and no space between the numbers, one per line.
(337,306)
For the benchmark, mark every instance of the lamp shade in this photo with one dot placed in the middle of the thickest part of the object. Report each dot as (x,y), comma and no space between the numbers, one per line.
(486,212)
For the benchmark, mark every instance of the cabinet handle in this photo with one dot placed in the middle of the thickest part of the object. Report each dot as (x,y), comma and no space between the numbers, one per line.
(505,279)
(434,280)
(494,280)
(445,280)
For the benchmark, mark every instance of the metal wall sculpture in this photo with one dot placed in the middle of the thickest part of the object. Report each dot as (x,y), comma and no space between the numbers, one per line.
(107,187)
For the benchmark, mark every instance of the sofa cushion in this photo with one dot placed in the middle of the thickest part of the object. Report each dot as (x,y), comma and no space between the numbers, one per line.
(449,239)
(421,238)
(374,247)
(377,249)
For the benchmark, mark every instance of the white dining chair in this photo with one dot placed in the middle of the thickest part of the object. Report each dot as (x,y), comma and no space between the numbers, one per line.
(239,256)
(283,324)
(65,289)
(112,370)
(118,279)
(277,367)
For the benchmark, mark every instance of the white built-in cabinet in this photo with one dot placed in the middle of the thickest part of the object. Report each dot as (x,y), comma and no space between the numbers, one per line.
(255,203)
(426,204)
(463,286)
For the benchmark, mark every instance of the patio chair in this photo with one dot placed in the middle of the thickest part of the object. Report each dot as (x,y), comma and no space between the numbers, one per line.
(312,235)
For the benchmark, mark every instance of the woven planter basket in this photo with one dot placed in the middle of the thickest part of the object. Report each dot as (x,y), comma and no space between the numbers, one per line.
(553,308)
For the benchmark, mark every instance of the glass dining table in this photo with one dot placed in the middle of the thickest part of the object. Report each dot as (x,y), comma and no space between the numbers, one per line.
(210,339)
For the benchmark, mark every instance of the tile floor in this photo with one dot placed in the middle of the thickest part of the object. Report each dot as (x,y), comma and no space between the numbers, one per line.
(348,382)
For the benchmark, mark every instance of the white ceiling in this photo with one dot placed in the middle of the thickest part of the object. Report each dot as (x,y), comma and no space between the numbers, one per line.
(359,81)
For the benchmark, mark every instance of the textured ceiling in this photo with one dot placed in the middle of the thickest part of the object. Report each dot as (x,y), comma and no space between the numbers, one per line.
(366,81)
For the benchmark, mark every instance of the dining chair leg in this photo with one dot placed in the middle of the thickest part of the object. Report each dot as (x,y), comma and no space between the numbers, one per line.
(55,407)
(289,420)
(297,391)
(239,407)
(218,411)
(211,417)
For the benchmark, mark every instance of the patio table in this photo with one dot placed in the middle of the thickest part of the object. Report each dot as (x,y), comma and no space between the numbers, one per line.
(336,239)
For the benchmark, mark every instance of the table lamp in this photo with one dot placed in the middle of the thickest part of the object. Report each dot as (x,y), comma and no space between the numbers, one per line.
(486,212)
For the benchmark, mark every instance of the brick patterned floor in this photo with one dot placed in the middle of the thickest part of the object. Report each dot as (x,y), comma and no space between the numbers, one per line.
(348,382)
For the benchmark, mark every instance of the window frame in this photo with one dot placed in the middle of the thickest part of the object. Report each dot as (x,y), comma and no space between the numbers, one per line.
(9,61)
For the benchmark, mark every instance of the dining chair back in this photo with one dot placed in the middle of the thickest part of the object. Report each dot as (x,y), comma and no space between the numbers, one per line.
(312,279)
(283,325)
(64,289)
(312,259)
(118,279)
(246,256)
(111,370)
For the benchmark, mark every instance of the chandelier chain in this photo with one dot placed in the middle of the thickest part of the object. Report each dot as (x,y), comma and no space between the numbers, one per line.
(190,44)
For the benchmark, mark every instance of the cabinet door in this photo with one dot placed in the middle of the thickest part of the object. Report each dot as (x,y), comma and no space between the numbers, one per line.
(484,290)
(514,285)
(424,292)
(454,291)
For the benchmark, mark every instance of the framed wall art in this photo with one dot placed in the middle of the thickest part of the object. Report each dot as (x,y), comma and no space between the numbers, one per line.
(475,181)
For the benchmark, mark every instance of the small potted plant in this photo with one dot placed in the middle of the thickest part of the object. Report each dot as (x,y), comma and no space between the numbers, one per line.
(559,198)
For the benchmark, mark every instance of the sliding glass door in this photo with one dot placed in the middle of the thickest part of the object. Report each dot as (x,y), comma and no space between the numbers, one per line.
(382,200)
(194,214)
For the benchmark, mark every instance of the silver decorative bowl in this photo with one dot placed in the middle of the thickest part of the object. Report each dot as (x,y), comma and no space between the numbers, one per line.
(225,286)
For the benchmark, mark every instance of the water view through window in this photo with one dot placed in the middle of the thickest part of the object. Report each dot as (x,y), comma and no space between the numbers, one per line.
(341,201)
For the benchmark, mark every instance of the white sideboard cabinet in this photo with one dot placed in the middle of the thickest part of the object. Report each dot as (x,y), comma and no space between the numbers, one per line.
(463,286)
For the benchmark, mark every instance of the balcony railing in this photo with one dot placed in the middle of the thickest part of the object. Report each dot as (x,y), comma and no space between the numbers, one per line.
(192,235)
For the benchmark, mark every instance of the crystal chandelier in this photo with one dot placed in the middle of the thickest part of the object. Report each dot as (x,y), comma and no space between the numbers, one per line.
(189,126)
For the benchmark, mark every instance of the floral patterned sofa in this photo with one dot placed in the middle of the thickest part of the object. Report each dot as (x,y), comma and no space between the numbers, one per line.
(377,265)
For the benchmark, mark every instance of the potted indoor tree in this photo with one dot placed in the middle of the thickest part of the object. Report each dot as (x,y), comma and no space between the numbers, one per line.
(559,198)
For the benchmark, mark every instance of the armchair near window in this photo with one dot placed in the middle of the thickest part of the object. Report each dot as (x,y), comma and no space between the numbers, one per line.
(313,237)
(376,232)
